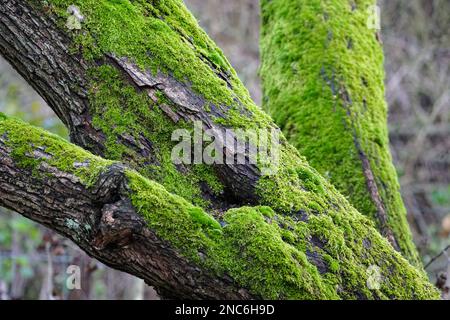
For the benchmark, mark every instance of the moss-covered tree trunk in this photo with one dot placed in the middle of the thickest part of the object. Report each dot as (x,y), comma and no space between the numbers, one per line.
(322,71)
(123,75)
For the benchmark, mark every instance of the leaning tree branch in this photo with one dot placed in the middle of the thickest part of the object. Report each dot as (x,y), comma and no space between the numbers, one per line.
(125,221)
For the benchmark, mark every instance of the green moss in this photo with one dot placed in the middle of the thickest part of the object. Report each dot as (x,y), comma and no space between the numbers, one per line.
(159,36)
(293,183)
(310,179)
(347,242)
(199,216)
(267,211)
(33,146)
(326,94)
(332,263)
(260,260)
(258,247)
(270,258)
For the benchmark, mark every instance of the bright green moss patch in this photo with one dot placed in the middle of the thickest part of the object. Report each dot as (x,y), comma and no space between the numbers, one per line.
(322,72)
(159,36)
(342,243)
(199,216)
(265,252)
(332,263)
(265,263)
(33,146)
(294,186)
(247,248)
(267,211)
(310,179)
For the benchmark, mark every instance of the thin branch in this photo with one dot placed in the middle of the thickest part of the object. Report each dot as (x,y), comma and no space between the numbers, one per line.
(437,256)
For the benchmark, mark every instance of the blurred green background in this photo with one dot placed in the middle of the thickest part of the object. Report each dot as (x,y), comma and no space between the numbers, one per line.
(34,260)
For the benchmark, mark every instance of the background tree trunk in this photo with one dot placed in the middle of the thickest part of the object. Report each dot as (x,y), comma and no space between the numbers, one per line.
(122,76)
(323,84)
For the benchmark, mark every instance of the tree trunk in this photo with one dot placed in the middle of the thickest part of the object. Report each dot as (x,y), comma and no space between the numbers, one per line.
(123,76)
(322,71)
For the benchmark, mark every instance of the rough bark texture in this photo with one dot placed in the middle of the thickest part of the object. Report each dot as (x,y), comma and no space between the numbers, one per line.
(323,84)
(50,61)
(143,69)
(98,216)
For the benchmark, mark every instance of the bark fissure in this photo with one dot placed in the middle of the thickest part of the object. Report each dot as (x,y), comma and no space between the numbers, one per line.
(381,214)
(371,183)
(375,195)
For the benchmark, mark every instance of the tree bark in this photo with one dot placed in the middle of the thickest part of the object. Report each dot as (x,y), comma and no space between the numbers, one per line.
(123,76)
(99,218)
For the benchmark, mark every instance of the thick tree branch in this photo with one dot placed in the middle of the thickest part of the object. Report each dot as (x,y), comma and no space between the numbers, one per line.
(134,225)
(98,216)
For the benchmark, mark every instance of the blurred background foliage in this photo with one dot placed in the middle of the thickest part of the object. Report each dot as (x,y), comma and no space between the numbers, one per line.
(34,260)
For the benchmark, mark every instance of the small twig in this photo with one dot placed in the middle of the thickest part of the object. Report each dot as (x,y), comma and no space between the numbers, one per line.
(436,257)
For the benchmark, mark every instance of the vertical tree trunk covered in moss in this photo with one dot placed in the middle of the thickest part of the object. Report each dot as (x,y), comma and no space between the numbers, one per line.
(123,75)
(322,73)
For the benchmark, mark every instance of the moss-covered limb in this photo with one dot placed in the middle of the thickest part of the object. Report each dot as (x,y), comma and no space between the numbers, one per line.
(149,69)
(86,199)
(322,71)
(112,115)
(309,255)
(278,257)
